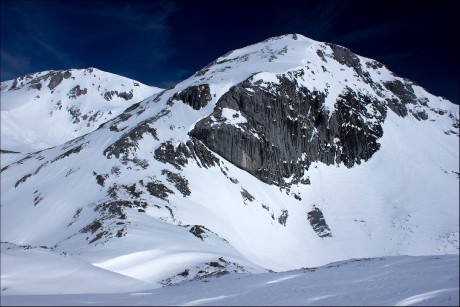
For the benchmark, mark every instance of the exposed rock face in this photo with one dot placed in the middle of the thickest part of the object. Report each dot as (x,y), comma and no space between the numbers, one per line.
(402,90)
(125,95)
(67,74)
(112,220)
(55,80)
(404,95)
(195,96)
(398,107)
(167,153)
(158,190)
(246,195)
(198,231)
(283,217)
(33,82)
(420,114)
(178,156)
(128,142)
(275,130)
(318,223)
(180,182)
(77,91)
(345,57)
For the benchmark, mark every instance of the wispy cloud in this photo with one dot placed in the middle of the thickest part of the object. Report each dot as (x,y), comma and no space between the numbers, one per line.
(313,20)
(401,55)
(147,21)
(52,34)
(371,31)
(47,46)
(29,41)
(11,64)
(175,77)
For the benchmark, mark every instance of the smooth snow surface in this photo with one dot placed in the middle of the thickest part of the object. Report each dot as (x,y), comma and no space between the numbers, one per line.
(387,281)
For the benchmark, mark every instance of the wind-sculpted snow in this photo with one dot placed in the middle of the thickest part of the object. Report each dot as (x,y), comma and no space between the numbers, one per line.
(285,154)
(382,281)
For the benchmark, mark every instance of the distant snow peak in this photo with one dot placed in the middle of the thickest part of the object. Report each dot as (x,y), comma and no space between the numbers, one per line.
(76,101)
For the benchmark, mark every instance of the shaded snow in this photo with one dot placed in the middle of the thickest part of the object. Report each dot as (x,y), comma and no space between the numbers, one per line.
(387,281)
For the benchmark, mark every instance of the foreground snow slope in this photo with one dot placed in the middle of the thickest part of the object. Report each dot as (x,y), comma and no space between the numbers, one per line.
(387,281)
(284,154)
(48,108)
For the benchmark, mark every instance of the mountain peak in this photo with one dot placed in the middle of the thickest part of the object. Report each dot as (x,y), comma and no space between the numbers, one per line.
(283,154)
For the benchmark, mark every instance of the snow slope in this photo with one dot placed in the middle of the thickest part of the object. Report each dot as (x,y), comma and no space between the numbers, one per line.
(41,110)
(386,281)
(144,197)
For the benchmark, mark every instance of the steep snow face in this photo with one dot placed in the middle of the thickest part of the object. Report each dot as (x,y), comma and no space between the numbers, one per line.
(284,154)
(49,108)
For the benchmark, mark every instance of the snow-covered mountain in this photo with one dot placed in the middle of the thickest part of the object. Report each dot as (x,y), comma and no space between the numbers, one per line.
(285,154)
(49,108)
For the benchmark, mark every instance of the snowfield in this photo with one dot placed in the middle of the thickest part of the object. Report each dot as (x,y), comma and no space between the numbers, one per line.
(383,281)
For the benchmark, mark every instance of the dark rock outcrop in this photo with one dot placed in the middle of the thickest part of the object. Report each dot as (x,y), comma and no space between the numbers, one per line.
(129,141)
(34,81)
(67,74)
(55,80)
(22,180)
(282,219)
(198,231)
(116,208)
(77,91)
(318,223)
(405,95)
(167,153)
(100,179)
(112,221)
(178,156)
(180,182)
(36,86)
(283,127)
(345,57)
(419,114)
(397,107)
(246,196)
(125,95)
(403,91)
(4,151)
(374,64)
(15,84)
(196,96)
(158,189)
(74,150)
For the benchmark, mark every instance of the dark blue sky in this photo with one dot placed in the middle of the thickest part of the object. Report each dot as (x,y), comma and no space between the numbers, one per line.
(162,42)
